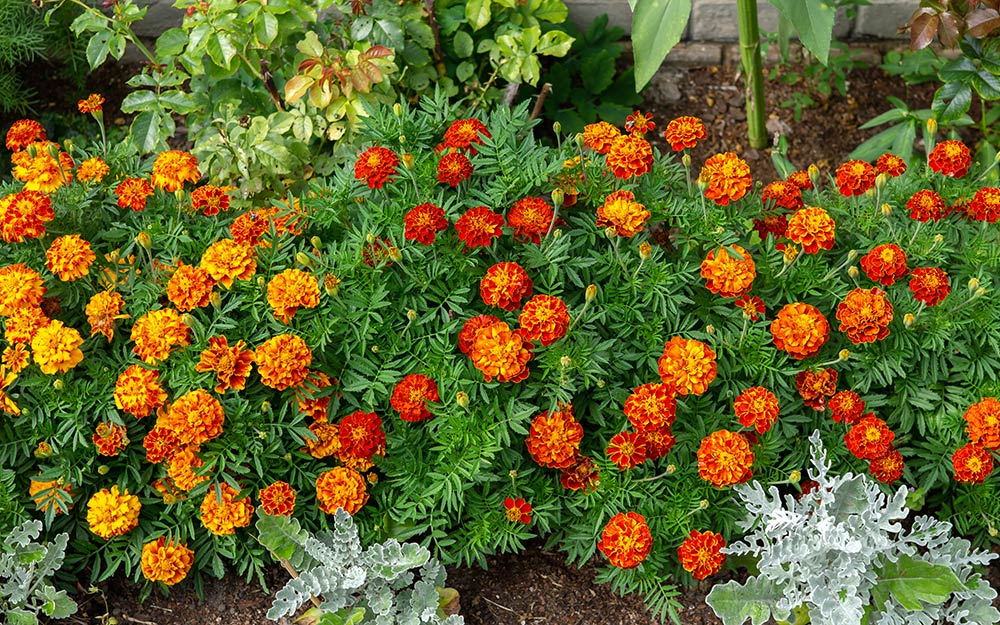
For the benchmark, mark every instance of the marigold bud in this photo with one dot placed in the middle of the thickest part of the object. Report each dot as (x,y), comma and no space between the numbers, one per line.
(881,180)
(512,474)
(53,151)
(992,530)
(556,127)
(407,160)
(591,293)
(558,196)
(973,284)
(261,281)
(886,210)
(645,250)
(216,300)
(265,406)
(402,139)
(462,399)
(557,233)
(853,272)
(870,193)
(610,232)
(144,240)
(44,450)
(262,435)
(791,252)
(565,361)
(68,145)
(374,349)
(601,383)
(938,239)
(331,284)
(58,384)
(303,259)
(702,184)
(411,315)
(579,140)
(316,242)
(395,254)
(103,469)
(703,504)
(931,125)
(795,476)
(852,255)
(709,329)
(844,354)
(370,238)
(813,172)
(981,291)
(397,109)
(372,477)
(32,150)
(686,161)
(908,319)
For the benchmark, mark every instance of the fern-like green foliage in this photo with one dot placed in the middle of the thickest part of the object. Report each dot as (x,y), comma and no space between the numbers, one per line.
(25,566)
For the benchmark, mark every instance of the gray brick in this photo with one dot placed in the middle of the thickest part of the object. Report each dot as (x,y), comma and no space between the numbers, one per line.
(161,16)
(583,12)
(884,18)
(695,53)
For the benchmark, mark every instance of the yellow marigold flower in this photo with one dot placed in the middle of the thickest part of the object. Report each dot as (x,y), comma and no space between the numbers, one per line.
(727,177)
(20,287)
(290,290)
(341,487)
(51,494)
(92,170)
(195,417)
(167,562)
(173,168)
(221,513)
(727,275)
(181,468)
(500,352)
(157,332)
(112,513)
(684,132)
(687,366)
(138,391)
(57,348)
(226,260)
(190,287)
(43,172)
(16,358)
(283,361)
(621,212)
(102,311)
(69,257)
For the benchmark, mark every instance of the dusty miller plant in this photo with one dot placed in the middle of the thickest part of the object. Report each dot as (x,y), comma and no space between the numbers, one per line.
(383,584)
(24,570)
(841,552)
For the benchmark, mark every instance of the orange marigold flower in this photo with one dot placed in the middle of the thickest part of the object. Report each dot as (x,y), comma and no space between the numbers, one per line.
(290,290)
(51,494)
(701,553)
(846,407)
(972,463)
(20,287)
(467,336)
(161,445)
(226,261)
(684,132)
(627,450)
(500,353)
(341,487)
(478,226)
(112,513)
(757,408)
(110,438)
(621,212)
(180,468)
(582,474)
(361,436)
(815,386)
(517,510)
(812,228)
(410,397)
(751,305)
(800,179)
(16,358)
(544,318)
(888,468)
(855,177)
(865,315)
(92,170)
(885,264)
(727,178)
(423,222)
(728,275)
(463,133)
(983,423)
(659,442)
(651,407)
(890,165)
(173,168)
(629,155)
(782,195)
(688,366)
(453,168)
(926,205)
(639,122)
(56,348)
(600,136)
(985,205)
(195,417)
(530,218)
(132,193)
(92,104)
(249,227)
(950,158)
(210,199)
(167,562)
(800,329)
(24,323)
(24,132)
(24,215)
(375,166)
(505,285)
(231,364)
(930,285)
(44,172)
(277,499)
(626,540)
(138,391)
(724,459)
(306,395)
(554,438)
(222,513)
(327,441)
(869,438)
(190,287)
(283,361)
(157,332)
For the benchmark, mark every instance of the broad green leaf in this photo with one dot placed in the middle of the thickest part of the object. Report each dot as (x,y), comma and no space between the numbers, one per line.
(813,21)
(477,12)
(554,43)
(171,42)
(960,69)
(116,46)
(913,583)
(265,27)
(986,85)
(463,44)
(657,26)
(275,150)
(903,145)
(951,101)
(145,131)
(598,71)
(221,50)
(554,11)
(97,49)
(17,616)
(310,45)
(178,101)
(735,603)
(57,605)
(882,142)
(464,71)
(137,101)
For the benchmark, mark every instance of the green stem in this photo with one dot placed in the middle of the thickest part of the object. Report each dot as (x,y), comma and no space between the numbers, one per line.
(753,71)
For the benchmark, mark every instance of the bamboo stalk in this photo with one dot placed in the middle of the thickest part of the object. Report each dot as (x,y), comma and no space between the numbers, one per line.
(753,72)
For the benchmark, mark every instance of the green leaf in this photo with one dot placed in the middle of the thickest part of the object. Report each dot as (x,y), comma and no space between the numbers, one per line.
(951,101)
(145,131)
(116,46)
(961,70)
(97,49)
(892,115)
(554,11)
(915,582)
(880,143)
(171,42)
(735,603)
(137,101)
(477,12)
(554,43)
(178,101)
(265,28)
(463,44)
(813,21)
(221,50)
(598,71)
(464,71)
(17,616)
(657,26)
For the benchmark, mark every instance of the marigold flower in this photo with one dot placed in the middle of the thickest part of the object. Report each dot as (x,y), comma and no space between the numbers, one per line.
(23,133)
(20,287)
(815,386)
(248,228)
(983,423)
(173,168)
(112,513)
(865,315)
(15,358)
(195,417)
(639,123)
(626,540)
(221,513)
(226,261)
(23,324)
(92,104)
(181,466)
(375,166)
(305,395)
(855,177)
(688,366)
(361,438)
(478,226)
(167,562)
(800,329)
(972,463)
(985,205)
(161,445)
(467,336)
(290,290)
(92,170)
(231,364)
(51,494)
(885,264)
(410,397)
(890,165)
(600,136)
(782,195)
(812,228)
(132,193)
(463,133)
(582,474)
(500,353)
(651,407)
(505,285)
(846,407)
(621,212)
(801,179)
(190,287)
(930,285)
(757,408)
(869,438)
(724,459)
(727,177)
(23,215)
(554,438)
(110,438)
(684,132)
(888,468)
(772,224)
(453,168)
(327,441)
(627,450)
(341,487)
(659,442)
(210,199)
(545,319)
(517,510)
(277,499)
(728,275)
(44,172)
(138,391)
(926,205)
(751,305)
(629,155)
(56,348)
(701,553)
(157,332)
(530,218)
(283,361)
(950,158)
(423,222)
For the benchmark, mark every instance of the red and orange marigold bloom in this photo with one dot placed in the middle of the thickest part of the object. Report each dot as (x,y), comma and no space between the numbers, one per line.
(846,407)
(621,212)
(20,287)
(701,553)
(110,438)
(505,285)
(930,285)
(327,441)
(815,386)
(501,353)
(190,287)
(15,358)
(687,365)
(629,155)
(782,194)
(869,438)
(659,442)
(173,168)
(800,329)
(751,305)
(195,417)
(626,540)
(248,228)
(950,158)
(51,494)
(226,261)
(112,513)
(290,290)
(554,438)
(477,227)
(453,168)
(410,397)
(23,133)
(627,450)
(800,179)
(92,170)
(210,199)
(56,348)
(167,562)
(724,459)
(423,222)
(885,264)
(639,123)
(138,391)
(133,192)
(531,218)
(277,499)
(341,487)
(69,257)
(651,407)
(582,474)
(92,104)
(865,315)
(684,132)
(283,361)
(157,332)
(23,215)
(926,205)
(888,468)
(463,133)
(890,165)
(161,445)
(308,396)
(375,166)
(23,324)
(727,178)
(983,423)
(726,274)
(517,510)
(985,205)
(812,228)
(544,318)
(46,171)
(221,511)
(972,464)
(230,363)
(181,467)
(361,437)
(855,177)
(467,336)
(599,136)
(757,408)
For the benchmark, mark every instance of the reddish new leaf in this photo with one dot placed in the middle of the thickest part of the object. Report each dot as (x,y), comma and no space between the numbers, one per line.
(923,27)
(982,22)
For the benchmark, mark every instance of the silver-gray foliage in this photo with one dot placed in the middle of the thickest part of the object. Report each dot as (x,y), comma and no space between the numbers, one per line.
(841,552)
(25,567)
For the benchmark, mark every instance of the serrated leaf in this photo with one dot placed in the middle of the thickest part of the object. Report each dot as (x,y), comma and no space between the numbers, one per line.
(951,101)
(97,49)
(221,50)
(813,22)
(145,131)
(657,26)
(552,43)
(265,28)
(598,71)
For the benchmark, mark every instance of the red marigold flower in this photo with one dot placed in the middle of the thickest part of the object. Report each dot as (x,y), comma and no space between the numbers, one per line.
(869,438)
(361,435)
(545,319)
(659,442)
(782,195)
(815,386)
(23,133)
(375,166)
(885,264)
(972,463)
(751,305)
(23,215)
(800,329)
(757,408)
(161,445)
(728,275)
(865,315)
(210,199)
(501,353)
(581,474)
(621,212)
(846,407)
(772,224)
(855,177)
(629,155)
(467,336)
(626,540)
(724,459)
(110,438)
(132,193)
(410,397)
(530,218)
(930,285)
(639,123)
(812,228)
(463,133)
(800,179)
(651,407)
(478,226)
(950,158)
(701,553)
(600,136)
(926,205)
(453,168)
(888,468)
(517,510)
(505,285)
(627,450)
(727,177)
(554,438)
(688,366)
(195,417)
(983,423)
(277,499)
(985,205)
(684,132)
(423,222)
(890,165)
(92,104)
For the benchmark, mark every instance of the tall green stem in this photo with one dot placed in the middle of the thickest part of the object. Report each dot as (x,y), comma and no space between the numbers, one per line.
(753,72)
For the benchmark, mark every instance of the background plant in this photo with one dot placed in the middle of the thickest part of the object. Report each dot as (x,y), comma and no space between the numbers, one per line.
(25,568)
